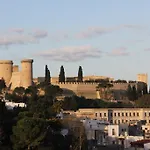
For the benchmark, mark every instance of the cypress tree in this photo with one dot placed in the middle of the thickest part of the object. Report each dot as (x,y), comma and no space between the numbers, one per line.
(129,92)
(47,75)
(62,74)
(134,93)
(80,74)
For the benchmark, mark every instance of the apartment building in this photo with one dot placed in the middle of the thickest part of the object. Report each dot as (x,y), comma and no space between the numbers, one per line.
(116,115)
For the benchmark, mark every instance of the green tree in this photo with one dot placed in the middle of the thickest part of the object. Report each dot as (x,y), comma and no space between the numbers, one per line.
(129,92)
(104,88)
(143,101)
(2,84)
(47,75)
(145,89)
(62,74)
(29,133)
(80,74)
(134,93)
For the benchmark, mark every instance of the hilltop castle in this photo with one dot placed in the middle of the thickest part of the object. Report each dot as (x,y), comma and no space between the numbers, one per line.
(24,78)
(15,78)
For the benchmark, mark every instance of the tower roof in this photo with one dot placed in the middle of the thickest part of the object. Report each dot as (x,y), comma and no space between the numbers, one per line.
(6,62)
(27,60)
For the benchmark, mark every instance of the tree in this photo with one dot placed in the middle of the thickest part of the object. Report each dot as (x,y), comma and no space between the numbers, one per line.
(143,101)
(62,74)
(104,88)
(134,93)
(76,136)
(2,84)
(80,74)
(145,89)
(129,92)
(29,133)
(47,75)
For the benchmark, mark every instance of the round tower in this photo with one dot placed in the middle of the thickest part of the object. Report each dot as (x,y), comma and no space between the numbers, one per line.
(26,73)
(6,67)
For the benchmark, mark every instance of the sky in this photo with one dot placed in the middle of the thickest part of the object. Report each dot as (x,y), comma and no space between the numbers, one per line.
(105,37)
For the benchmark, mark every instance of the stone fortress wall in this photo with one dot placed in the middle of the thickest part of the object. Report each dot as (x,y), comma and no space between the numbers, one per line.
(88,90)
(15,78)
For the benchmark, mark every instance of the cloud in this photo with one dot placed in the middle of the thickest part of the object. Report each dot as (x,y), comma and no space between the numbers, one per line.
(72,53)
(16,40)
(122,51)
(147,49)
(10,38)
(17,30)
(97,31)
(40,34)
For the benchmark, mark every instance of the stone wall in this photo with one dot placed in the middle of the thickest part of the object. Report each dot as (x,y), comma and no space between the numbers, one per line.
(81,89)
(88,90)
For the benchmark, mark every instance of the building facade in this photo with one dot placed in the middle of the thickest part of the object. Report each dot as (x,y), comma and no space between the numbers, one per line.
(116,115)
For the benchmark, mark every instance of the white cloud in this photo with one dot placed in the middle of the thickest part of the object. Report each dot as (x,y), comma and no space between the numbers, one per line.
(17,30)
(97,31)
(16,39)
(122,51)
(40,34)
(72,53)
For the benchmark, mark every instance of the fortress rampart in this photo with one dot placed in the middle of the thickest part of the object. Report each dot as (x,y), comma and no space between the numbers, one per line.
(15,78)
(88,89)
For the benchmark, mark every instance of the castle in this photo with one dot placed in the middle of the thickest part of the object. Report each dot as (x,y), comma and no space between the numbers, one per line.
(15,78)
(24,78)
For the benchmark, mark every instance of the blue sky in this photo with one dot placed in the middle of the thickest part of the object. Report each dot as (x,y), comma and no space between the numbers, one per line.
(105,37)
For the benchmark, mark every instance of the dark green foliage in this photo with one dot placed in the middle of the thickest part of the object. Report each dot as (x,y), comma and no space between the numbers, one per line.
(80,74)
(2,84)
(120,81)
(145,89)
(62,74)
(132,93)
(31,132)
(75,102)
(47,75)
(144,101)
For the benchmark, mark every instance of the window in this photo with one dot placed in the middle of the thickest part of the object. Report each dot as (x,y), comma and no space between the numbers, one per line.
(119,114)
(137,114)
(145,114)
(95,114)
(126,114)
(122,114)
(113,131)
(114,114)
(122,121)
(118,121)
(100,114)
(130,114)
(104,114)
(115,122)
(134,114)
(149,113)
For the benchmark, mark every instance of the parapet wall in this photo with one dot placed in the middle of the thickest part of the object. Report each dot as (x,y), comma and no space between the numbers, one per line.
(88,90)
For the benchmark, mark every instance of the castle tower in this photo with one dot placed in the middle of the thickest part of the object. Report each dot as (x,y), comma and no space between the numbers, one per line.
(6,67)
(26,73)
(142,78)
